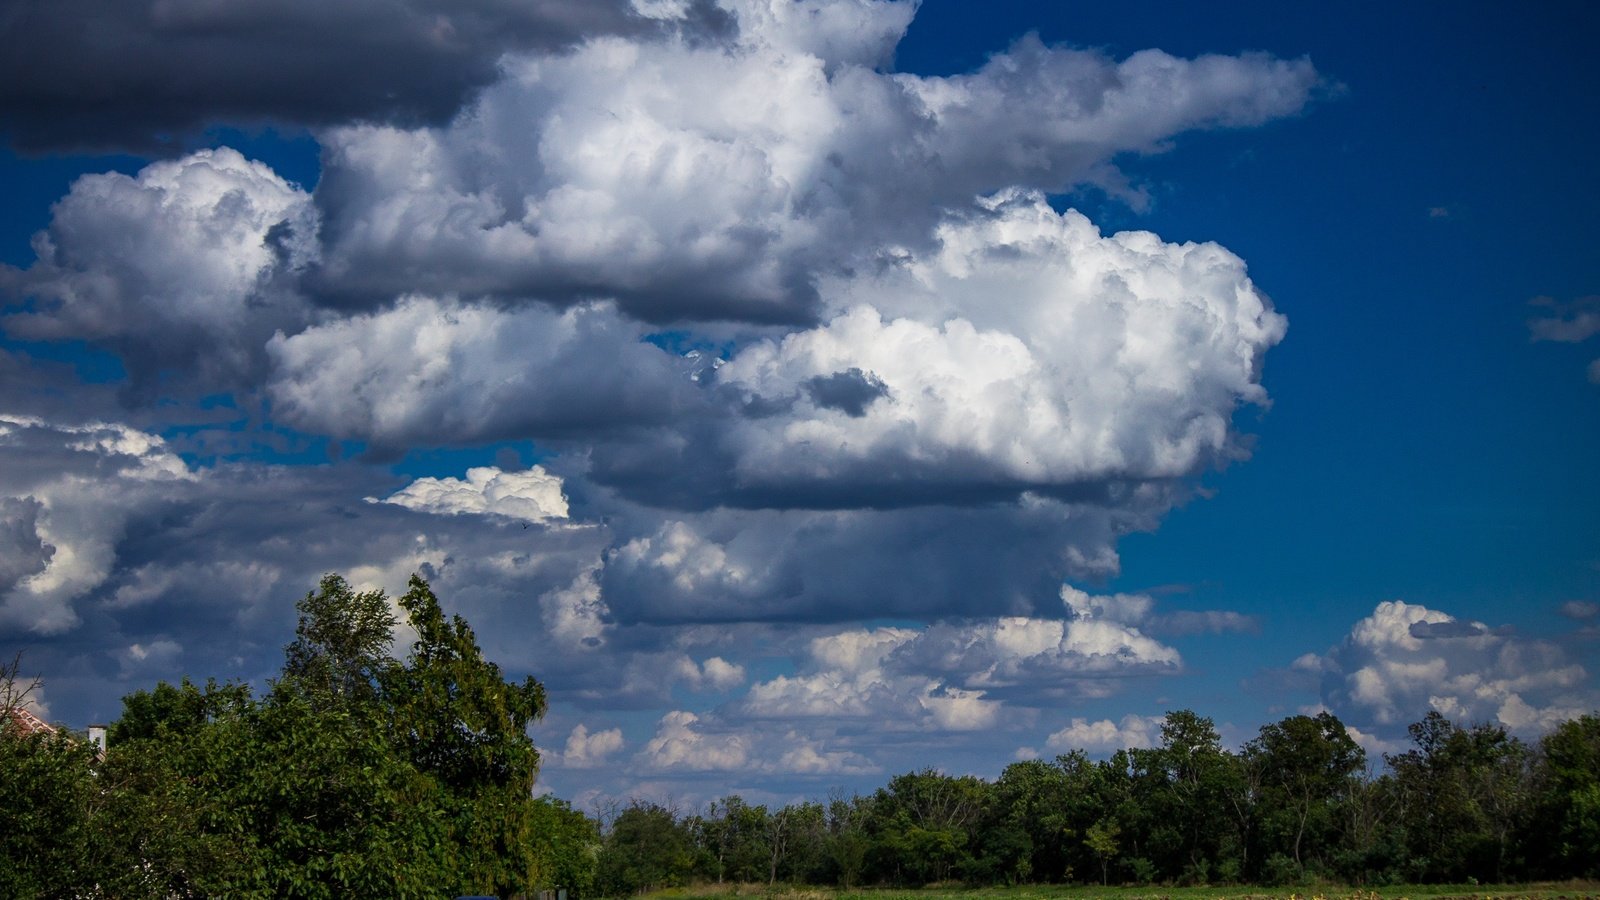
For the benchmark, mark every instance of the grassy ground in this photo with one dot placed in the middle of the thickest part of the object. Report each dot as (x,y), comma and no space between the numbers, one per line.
(1571,890)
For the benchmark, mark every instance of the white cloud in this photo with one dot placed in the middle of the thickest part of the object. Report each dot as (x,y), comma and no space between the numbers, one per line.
(693,179)
(80,484)
(1028,350)
(679,744)
(534,495)
(142,659)
(804,756)
(189,264)
(428,366)
(940,677)
(719,674)
(1405,659)
(1105,735)
(585,750)
(577,613)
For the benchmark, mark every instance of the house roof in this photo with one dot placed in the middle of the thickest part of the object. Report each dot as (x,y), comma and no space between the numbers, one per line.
(28,723)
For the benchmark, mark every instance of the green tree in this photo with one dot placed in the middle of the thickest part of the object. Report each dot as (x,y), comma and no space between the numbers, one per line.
(566,847)
(1101,839)
(646,848)
(1567,824)
(342,641)
(1464,793)
(47,786)
(457,719)
(1306,765)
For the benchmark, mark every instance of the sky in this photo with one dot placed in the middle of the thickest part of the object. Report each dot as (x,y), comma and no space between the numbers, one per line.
(809,391)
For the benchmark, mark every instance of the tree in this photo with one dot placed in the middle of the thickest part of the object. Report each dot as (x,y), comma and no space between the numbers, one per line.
(1568,798)
(46,783)
(1101,839)
(342,641)
(355,775)
(1306,765)
(566,847)
(646,849)
(1464,793)
(457,719)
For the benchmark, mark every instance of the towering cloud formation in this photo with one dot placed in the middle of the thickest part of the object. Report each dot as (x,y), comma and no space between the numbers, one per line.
(916,388)
(190,265)
(696,180)
(1405,659)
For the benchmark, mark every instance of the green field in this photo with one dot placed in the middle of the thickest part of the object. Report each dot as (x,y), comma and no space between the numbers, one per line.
(1569,890)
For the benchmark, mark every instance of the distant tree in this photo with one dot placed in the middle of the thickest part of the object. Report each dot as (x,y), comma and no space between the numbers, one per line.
(1464,794)
(1566,826)
(1101,839)
(847,843)
(1306,765)
(646,848)
(566,847)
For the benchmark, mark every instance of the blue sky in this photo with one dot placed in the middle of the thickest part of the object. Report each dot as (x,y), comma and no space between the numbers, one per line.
(956,477)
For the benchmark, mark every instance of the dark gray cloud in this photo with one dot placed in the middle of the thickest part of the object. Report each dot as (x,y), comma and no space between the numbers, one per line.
(1455,628)
(849,391)
(22,551)
(106,74)
(730,565)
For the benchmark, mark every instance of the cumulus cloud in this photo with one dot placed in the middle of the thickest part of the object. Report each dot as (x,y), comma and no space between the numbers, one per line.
(22,552)
(534,495)
(429,369)
(807,757)
(708,180)
(188,265)
(1104,735)
(576,614)
(71,489)
(120,73)
(1405,659)
(680,744)
(948,675)
(585,750)
(915,389)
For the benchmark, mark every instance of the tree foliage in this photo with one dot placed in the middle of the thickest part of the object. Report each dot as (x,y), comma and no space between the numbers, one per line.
(355,774)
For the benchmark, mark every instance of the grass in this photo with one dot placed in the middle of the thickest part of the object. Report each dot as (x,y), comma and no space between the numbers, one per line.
(1568,890)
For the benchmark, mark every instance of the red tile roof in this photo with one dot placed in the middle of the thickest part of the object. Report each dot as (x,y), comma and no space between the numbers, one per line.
(28,723)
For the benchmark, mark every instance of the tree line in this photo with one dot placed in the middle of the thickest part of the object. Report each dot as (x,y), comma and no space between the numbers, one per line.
(1296,803)
(359,773)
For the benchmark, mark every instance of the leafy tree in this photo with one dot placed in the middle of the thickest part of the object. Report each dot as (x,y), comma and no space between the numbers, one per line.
(646,848)
(566,847)
(455,717)
(44,822)
(1463,795)
(847,842)
(1567,824)
(1306,764)
(1101,838)
(342,641)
